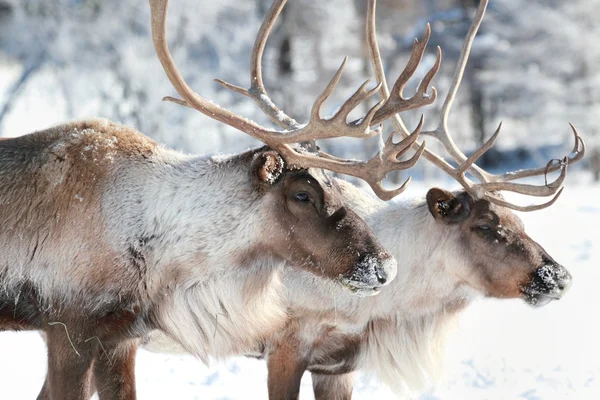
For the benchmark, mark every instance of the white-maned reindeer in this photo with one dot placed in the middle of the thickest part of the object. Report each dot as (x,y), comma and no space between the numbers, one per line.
(452,248)
(105,235)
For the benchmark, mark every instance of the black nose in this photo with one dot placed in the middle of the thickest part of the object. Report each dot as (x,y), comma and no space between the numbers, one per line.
(551,280)
(374,270)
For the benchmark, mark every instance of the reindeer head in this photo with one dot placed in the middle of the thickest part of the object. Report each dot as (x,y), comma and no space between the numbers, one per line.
(312,229)
(502,260)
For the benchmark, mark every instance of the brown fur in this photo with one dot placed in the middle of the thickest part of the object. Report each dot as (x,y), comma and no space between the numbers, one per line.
(114,372)
(284,372)
(509,256)
(333,387)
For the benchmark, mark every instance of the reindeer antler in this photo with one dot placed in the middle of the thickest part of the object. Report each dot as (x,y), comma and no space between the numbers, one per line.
(490,183)
(372,171)
(387,159)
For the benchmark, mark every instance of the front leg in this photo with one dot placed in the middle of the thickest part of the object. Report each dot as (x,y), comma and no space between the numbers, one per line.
(70,362)
(333,387)
(286,365)
(114,371)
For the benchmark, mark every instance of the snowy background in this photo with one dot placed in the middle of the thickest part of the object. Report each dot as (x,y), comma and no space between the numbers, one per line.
(535,66)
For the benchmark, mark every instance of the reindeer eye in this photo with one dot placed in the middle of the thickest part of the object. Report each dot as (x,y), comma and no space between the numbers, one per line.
(484,228)
(302,196)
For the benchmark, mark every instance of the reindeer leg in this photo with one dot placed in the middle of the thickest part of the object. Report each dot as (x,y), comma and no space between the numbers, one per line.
(285,369)
(69,365)
(333,387)
(45,392)
(114,371)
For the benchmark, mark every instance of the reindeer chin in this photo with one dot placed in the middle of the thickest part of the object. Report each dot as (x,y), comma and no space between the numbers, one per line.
(538,300)
(360,289)
(365,292)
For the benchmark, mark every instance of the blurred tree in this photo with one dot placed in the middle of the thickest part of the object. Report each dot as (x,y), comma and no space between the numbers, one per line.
(6,10)
(537,72)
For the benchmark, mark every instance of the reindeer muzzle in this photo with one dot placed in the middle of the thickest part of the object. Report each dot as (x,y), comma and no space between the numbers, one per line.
(370,275)
(548,283)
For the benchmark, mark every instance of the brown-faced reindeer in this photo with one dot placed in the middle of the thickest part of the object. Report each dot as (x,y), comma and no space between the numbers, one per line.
(452,248)
(107,236)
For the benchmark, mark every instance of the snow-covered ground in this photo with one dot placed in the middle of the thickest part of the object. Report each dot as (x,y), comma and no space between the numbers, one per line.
(502,350)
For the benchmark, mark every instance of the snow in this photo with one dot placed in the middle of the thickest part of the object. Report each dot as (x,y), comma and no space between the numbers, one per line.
(502,350)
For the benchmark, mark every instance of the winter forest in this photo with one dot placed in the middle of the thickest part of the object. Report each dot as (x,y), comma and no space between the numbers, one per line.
(533,67)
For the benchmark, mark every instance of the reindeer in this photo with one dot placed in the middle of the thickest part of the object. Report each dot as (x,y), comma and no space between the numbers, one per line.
(452,248)
(107,236)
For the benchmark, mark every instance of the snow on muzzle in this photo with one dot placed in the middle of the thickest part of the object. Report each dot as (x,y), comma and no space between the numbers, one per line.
(548,283)
(370,274)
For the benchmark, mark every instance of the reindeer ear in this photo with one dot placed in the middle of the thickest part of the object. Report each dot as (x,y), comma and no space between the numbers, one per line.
(446,207)
(267,167)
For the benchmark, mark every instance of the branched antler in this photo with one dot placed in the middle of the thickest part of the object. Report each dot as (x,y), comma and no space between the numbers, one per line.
(372,171)
(388,158)
(489,183)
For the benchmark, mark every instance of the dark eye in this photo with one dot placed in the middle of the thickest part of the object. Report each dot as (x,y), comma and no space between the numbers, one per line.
(302,196)
(484,228)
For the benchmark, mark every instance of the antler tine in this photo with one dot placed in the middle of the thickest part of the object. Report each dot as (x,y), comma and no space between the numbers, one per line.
(459,173)
(396,102)
(578,153)
(384,92)
(512,206)
(318,129)
(442,133)
(465,165)
(340,117)
(257,90)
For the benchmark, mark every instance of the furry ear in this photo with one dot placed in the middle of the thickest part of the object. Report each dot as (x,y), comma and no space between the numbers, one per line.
(446,207)
(267,167)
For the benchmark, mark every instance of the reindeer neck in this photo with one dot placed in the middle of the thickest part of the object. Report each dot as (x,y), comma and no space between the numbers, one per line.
(424,251)
(413,316)
(199,219)
(407,353)
(189,211)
